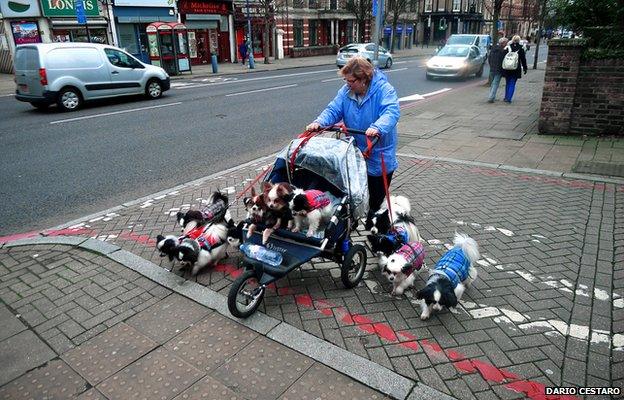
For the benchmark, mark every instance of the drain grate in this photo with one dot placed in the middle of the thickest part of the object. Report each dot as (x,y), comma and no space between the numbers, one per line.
(599,168)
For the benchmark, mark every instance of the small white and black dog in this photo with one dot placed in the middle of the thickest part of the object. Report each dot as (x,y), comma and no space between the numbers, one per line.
(450,277)
(403,265)
(216,210)
(168,246)
(207,249)
(310,207)
(382,221)
(235,234)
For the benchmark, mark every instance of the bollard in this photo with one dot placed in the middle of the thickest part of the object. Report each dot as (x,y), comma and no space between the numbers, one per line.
(252,65)
(213,61)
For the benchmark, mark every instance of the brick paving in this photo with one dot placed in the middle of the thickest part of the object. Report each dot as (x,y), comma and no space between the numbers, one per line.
(544,310)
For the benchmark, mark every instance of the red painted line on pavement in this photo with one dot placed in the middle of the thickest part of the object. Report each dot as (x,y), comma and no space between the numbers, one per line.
(143,239)
(82,231)
(18,236)
(533,390)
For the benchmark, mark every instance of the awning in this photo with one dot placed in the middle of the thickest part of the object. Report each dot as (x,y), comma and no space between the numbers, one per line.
(144,15)
(201,24)
(57,22)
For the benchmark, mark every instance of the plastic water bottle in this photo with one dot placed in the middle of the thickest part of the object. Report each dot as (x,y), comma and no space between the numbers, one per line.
(261,253)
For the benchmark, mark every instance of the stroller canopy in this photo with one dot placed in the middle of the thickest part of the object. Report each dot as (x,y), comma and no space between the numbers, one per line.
(337,161)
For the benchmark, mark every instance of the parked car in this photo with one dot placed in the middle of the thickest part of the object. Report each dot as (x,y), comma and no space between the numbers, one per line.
(69,74)
(366,50)
(483,42)
(456,61)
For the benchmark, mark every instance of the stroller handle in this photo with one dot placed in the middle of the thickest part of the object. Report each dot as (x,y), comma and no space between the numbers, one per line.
(351,131)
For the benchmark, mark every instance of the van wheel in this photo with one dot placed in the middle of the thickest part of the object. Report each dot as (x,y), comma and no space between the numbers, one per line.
(69,99)
(153,89)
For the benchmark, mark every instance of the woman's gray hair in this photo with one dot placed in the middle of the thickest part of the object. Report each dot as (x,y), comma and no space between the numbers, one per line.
(503,40)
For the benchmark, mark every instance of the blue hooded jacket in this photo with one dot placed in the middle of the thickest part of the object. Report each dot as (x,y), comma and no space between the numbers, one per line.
(379,109)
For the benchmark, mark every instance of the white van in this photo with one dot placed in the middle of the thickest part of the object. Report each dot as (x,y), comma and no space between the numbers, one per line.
(70,73)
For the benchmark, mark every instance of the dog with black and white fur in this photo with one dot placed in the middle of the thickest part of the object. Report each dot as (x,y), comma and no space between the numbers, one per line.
(403,265)
(453,273)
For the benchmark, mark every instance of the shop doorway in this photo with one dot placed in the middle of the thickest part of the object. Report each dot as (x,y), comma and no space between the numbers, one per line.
(202,48)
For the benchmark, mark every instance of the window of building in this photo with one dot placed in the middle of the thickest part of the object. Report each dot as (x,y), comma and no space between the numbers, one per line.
(313,3)
(428,5)
(298,3)
(441,5)
(333,4)
(312,32)
(413,5)
(298,32)
(456,5)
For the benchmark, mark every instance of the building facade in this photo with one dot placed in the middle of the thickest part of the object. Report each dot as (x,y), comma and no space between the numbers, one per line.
(442,18)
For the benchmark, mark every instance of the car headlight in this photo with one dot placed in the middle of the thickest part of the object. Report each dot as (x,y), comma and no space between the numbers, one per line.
(430,64)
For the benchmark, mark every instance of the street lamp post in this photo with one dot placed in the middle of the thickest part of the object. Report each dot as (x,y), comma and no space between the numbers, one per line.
(252,65)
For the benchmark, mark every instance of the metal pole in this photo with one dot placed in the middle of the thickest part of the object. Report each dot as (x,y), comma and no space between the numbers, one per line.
(250,38)
(539,34)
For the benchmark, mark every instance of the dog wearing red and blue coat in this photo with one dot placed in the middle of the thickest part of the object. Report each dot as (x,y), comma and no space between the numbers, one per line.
(450,277)
(312,207)
(403,265)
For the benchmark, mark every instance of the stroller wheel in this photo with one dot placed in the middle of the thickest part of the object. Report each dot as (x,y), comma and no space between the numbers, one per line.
(353,266)
(245,295)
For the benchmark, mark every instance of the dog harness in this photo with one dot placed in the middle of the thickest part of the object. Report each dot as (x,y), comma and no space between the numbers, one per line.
(414,254)
(206,242)
(397,235)
(317,199)
(454,265)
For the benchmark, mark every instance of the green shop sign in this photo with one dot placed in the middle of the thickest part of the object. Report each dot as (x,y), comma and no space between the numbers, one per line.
(67,8)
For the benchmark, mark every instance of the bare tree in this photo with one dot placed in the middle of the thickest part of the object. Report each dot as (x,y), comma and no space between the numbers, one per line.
(362,9)
(395,9)
(495,6)
(267,8)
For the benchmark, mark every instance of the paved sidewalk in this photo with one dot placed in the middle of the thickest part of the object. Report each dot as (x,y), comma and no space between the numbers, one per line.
(92,311)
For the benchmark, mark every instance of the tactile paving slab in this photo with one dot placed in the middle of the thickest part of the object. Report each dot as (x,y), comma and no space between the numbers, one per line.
(210,342)
(158,375)
(263,370)
(208,389)
(92,394)
(321,382)
(600,168)
(102,356)
(168,317)
(56,380)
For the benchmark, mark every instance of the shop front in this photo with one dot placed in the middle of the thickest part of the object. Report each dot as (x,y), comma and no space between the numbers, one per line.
(254,13)
(23,21)
(208,26)
(65,26)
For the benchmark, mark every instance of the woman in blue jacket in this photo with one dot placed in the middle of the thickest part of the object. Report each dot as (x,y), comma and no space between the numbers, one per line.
(367,102)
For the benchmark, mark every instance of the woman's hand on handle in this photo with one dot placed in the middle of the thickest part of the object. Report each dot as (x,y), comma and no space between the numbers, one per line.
(372,132)
(313,127)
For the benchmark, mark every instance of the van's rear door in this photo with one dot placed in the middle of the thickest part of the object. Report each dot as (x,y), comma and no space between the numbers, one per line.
(27,71)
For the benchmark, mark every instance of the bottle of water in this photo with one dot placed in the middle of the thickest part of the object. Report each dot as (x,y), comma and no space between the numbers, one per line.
(261,253)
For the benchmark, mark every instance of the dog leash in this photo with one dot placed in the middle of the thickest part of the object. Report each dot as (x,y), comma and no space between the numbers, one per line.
(384,175)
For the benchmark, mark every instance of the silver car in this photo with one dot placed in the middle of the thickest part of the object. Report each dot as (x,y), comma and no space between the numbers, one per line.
(366,50)
(456,61)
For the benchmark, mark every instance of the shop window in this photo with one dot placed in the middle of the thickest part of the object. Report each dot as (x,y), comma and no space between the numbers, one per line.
(298,32)
(313,33)
(127,38)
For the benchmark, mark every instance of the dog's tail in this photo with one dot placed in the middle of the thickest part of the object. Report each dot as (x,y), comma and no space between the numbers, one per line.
(401,205)
(468,245)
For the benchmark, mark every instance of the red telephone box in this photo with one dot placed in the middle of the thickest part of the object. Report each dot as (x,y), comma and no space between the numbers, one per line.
(168,46)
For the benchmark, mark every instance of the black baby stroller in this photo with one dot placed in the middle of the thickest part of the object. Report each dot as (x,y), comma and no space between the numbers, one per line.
(331,164)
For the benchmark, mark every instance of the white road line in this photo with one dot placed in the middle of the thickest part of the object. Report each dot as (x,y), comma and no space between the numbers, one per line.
(436,92)
(417,96)
(257,79)
(331,80)
(113,113)
(387,71)
(6,95)
(260,90)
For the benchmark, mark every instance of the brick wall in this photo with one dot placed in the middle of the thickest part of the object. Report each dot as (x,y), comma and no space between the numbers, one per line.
(581,97)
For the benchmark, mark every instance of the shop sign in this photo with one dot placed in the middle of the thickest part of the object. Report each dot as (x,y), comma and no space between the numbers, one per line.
(25,32)
(145,3)
(19,8)
(200,7)
(66,8)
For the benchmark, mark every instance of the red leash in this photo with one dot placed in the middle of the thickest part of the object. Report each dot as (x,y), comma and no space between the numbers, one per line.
(384,175)
(260,175)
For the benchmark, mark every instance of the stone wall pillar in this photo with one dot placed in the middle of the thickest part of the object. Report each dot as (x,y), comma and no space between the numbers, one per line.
(562,70)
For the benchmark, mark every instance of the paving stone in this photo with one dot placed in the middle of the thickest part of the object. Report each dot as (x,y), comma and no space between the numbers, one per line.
(105,354)
(158,373)
(320,381)
(167,318)
(208,388)
(20,353)
(10,323)
(55,380)
(209,343)
(263,369)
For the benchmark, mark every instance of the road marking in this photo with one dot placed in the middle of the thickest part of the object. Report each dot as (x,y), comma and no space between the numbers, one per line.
(260,90)
(6,95)
(236,80)
(423,96)
(394,70)
(113,113)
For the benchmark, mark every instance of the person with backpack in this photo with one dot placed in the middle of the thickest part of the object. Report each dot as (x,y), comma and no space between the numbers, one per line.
(496,66)
(514,62)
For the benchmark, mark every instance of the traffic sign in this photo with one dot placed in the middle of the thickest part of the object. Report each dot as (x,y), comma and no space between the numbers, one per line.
(80,11)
